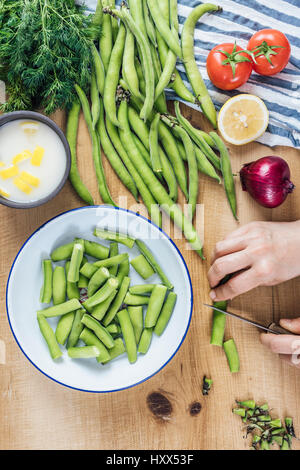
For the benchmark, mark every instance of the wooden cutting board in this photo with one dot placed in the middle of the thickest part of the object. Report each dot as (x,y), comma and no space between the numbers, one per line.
(37,413)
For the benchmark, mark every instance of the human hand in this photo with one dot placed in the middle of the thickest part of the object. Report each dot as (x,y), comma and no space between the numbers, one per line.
(260,254)
(287,346)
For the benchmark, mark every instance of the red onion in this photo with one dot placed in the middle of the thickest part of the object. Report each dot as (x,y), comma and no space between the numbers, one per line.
(267,180)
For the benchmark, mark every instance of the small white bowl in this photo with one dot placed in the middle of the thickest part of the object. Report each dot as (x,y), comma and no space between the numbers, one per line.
(25,280)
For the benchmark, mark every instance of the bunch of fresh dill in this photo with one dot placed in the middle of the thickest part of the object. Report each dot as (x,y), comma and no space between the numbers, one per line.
(44,51)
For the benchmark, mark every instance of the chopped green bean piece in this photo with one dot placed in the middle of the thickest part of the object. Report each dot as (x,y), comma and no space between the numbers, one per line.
(131,299)
(88,270)
(62,309)
(137,320)
(145,340)
(116,351)
(206,385)
(99,330)
(165,313)
(247,403)
(97,280)
(106,290)
(90,339)
(115,237)
(128,335)
(76,330)
(63,252)
(113,251)
(46,291)
(142,267)
(232,355)
(141,289)
(151,259)
(123,270)
(290,427)
(100,310)
(118,301)
(64,327)
(109,262)
(96,250)
(113,329)
(219,323)
(155,305)
(239,411)
(72,287)
(59,288)
(83,281)
(76,259)
(84,352)
(49,337)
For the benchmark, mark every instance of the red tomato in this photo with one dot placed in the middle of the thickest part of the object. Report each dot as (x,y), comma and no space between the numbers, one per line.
(227,68)
(272,59)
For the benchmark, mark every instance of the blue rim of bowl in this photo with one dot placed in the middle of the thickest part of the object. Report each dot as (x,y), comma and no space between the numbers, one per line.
(185,266)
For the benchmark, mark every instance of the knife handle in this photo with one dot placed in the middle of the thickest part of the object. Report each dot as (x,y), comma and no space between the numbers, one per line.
(278,329)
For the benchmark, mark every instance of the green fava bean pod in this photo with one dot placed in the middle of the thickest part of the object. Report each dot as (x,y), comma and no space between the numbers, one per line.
(156,301)
(84,352)
(99,330)
(227,173)
(142,267)
(100,310)
(76,329)
(61,309)
(113,251)
(113,261)
(90,339)
(106,38)
(62,252)
(141,289)
(112,76)
(128,335)
(123,270)
(76,259)
(204,165)
(95,99)
(232,355)
(165,314)
(155,265)
(154,149)
(46,291)
(145,340)
(150,28)
(118,301)
(96,250)
(137,320)
(72,287)
(116,351)
(64,327)
(102,294)
(219,323)
(191,67)
(128,68)
(59,288)
(97,279)
(99,69)
(71,135)
(115,237)
(136,300)
(88,270)
(49,337)
(163,28)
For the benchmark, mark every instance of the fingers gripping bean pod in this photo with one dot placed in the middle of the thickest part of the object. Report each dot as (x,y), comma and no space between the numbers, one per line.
(128,335)
(142,267)
(112,76)
(163,27)
(232,355)
(49,337)
(76,259)
(90,339)
(61,309)
(117,350)
(97,279)
(114,237)
(194,76)
(84,352)
(112,156)
(64,327)
(72,287)
(102,186)
(141,289)
(76,329)
(137,321)
(155,265)
(113,251)
(165,314)
(118,301)
(109,287)
(156,301)
(46,291)
(71,135)
(135,156)
(136,300)
(59,288)
(99,330)
(100,310)
(98,69)
(145,340)
(153,141)
(226,172)
(218,326)
(95,99)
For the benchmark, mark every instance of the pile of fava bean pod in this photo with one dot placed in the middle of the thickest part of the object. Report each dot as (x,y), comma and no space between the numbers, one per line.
(152,152)
(100,314)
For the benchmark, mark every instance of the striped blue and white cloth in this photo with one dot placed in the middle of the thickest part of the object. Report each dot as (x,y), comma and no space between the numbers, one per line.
(238,21)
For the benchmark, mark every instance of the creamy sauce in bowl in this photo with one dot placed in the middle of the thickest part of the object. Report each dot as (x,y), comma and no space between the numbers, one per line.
(32,160)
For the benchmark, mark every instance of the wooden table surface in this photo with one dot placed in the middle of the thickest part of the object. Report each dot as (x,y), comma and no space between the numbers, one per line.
(37,413)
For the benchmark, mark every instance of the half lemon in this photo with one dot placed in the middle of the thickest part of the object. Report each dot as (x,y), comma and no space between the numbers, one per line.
(243,119)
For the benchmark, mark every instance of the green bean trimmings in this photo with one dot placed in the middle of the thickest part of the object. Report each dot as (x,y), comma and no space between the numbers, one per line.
(101,314)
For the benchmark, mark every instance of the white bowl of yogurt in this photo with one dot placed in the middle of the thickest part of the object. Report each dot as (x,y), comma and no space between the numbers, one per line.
(35,159)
